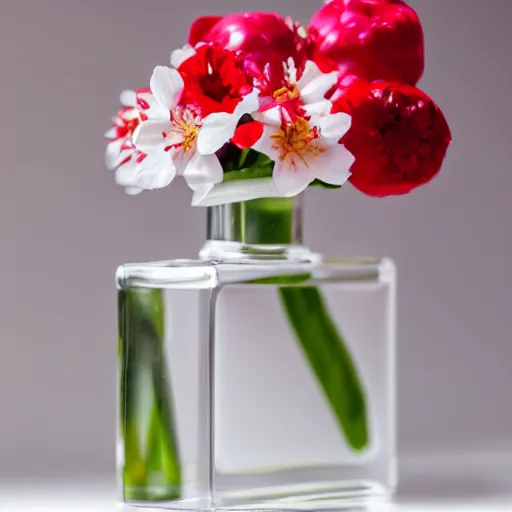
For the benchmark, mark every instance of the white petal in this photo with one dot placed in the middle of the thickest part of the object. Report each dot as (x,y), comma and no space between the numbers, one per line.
(317,89)
(133,191)
(157,171)
(127,174)
(128,98)
(147,97)
(203,171)
(314,84)
(111,134)
(155,110)
(249,104)
(265,144)
(333,166)
(311,72)
(112,153)
(290,181)
(123,156)
(166,85)
(271,117)
(181,159)
(235,192)
(292,70)
(179,56)
(201,193)
(321,108)
(334,127)
(150,134)
(217,129)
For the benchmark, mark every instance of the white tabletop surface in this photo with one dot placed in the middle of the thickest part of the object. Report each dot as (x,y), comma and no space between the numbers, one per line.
(465,483)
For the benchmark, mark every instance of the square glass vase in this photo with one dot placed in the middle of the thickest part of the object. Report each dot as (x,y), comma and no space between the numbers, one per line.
(261,376)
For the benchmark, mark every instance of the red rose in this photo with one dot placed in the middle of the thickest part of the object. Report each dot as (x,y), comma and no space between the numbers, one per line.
(214,80)
(399,137)
(261,40)
(372,39)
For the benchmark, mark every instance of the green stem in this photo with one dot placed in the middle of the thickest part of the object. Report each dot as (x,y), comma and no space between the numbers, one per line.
(264,221)
(270,221)
(329,359)
(151,461)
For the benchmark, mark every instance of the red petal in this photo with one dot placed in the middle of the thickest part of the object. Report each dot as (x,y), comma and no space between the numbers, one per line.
(200,28)
(399,137)
(259,38)
(248,134)
(373,39)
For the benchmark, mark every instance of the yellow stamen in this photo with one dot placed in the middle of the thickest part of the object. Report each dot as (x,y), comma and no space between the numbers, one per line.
(287,93)
(184,131)
(296,141)
(190,137)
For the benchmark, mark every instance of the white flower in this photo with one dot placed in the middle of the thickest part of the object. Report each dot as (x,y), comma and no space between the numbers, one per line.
(309,89)
(135,170)
(117,135)
(178,141)
(219,127)
(304,150)
(121,155)
(300,135)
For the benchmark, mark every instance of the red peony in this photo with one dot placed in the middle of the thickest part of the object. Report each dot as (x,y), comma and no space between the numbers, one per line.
(399,137)
(214,80)
(262,41)
(200,28)
(372,39)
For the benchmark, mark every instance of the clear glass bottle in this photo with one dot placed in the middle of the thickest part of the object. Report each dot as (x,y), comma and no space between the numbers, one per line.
(261,376)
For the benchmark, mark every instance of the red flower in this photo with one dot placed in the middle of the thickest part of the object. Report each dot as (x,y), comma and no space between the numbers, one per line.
(372,39)
(399,137)
(200,28)
(214,80)
(262,41)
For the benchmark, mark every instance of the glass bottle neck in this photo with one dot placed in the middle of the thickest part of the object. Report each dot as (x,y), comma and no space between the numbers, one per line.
(267,228)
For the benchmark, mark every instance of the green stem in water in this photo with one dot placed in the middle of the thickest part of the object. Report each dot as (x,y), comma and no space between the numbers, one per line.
(329,359)
(264,221)
(270,221)
(151,461)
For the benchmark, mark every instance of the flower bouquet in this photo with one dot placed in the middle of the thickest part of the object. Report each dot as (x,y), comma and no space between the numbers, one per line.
(262,374)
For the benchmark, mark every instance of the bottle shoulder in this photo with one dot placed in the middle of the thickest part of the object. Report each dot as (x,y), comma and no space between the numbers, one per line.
(209,274)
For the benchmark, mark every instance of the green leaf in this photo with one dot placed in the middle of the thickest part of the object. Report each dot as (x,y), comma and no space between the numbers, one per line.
(246,161)
(319,183)
(329,359)
(256,159)
(155,474)
(242,162)
(250,173)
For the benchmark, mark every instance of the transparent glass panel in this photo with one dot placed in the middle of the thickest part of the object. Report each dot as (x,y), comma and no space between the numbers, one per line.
(261,385)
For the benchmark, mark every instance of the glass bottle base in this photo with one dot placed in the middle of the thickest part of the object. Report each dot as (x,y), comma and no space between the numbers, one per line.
(329,494)
(258,386)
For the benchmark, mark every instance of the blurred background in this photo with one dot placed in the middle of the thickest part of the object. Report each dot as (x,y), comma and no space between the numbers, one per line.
(65,226)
